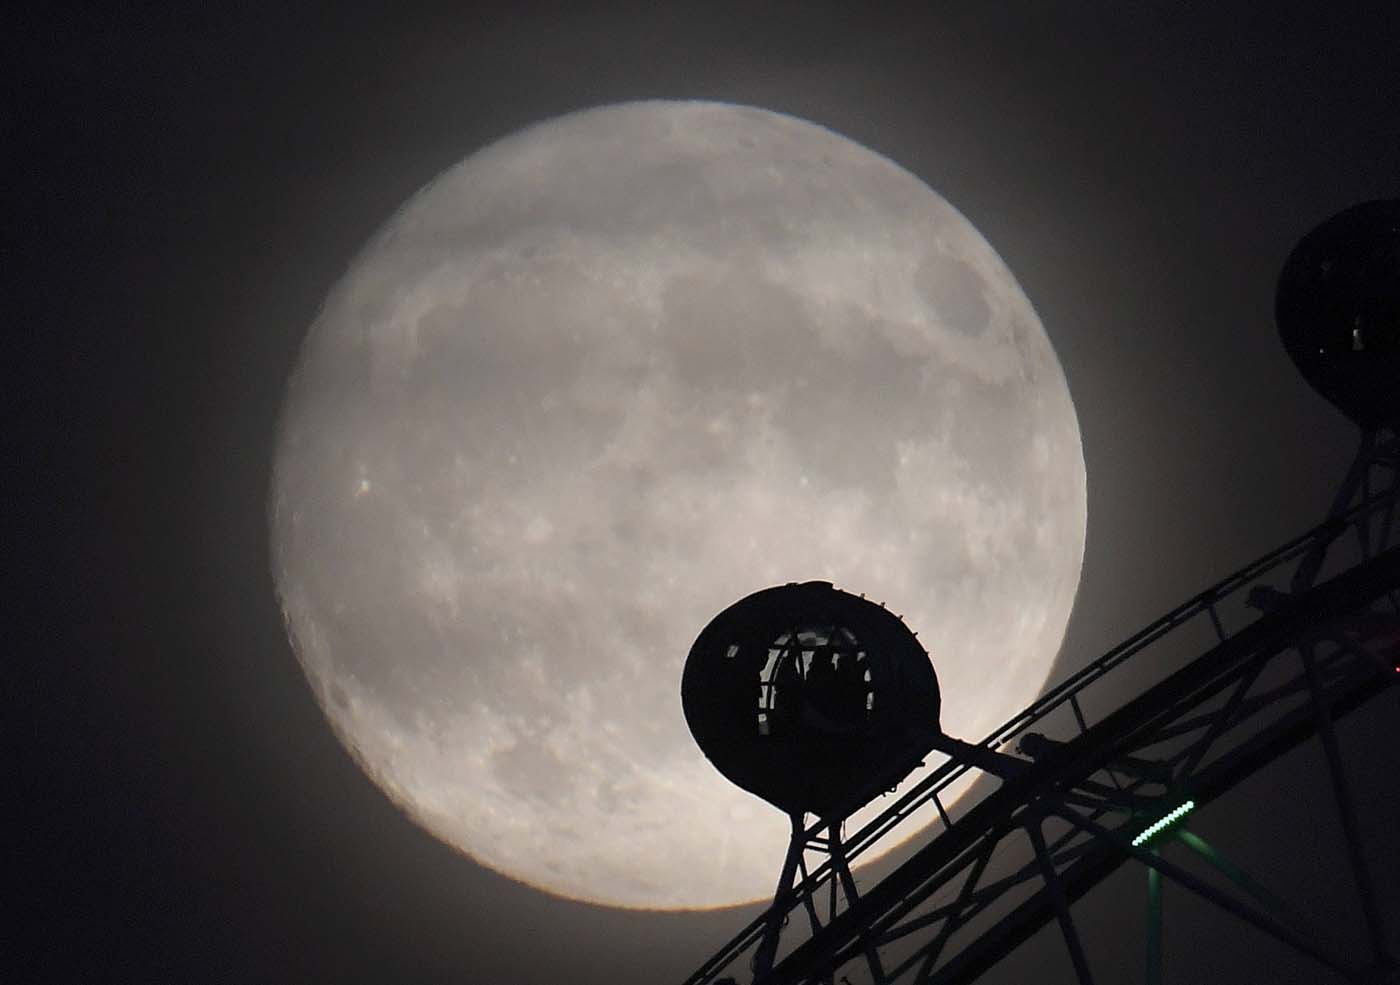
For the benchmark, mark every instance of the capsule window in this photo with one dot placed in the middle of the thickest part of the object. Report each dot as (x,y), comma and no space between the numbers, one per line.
(767,691)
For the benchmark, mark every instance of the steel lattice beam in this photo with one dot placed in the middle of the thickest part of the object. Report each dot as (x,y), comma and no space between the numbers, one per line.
(1240,705)
(883,906)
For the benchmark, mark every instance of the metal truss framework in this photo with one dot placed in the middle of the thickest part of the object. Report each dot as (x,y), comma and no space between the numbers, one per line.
(1280,665)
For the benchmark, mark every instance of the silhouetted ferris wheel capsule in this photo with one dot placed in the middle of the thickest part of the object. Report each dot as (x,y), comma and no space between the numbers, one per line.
(802,693)
(1338,310)
(817,701)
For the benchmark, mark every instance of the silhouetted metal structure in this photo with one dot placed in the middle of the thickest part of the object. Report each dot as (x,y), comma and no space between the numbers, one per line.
(817,701)
(804,694)
(1266,658)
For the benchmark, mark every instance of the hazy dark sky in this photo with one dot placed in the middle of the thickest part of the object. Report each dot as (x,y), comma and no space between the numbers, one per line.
(184,188)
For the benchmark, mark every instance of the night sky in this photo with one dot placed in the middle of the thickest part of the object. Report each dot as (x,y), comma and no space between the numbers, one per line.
(184,188)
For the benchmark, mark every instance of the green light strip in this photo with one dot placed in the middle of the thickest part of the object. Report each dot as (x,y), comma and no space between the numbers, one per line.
(1158,825)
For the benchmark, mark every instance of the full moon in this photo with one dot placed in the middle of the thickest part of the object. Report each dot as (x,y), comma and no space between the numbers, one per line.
(595,383)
